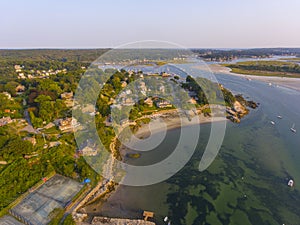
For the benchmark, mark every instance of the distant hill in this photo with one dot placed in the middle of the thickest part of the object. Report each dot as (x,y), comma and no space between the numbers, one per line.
(64,55)
(89,55)
(227,54)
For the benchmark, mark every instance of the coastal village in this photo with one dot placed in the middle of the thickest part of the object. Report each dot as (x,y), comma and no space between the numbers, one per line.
(150,112)
(50,134)
(22,107)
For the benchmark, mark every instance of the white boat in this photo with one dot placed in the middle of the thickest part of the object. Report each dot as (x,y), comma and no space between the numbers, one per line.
(279,117)
(272,122)
(293,129)
(166,219)
(291,183)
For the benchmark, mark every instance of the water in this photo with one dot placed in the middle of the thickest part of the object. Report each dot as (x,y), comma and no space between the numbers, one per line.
(273,58)
(246,184)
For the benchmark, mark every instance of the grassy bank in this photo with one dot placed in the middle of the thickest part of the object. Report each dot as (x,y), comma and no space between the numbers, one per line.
(266,68)
(264,73)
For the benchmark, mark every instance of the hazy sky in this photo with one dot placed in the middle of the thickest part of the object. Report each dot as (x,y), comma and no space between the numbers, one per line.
(190,23)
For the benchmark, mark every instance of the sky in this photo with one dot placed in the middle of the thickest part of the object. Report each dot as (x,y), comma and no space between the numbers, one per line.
(189,23)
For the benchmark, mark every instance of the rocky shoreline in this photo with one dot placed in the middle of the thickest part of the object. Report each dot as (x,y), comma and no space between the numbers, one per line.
(240,109)
(117,221)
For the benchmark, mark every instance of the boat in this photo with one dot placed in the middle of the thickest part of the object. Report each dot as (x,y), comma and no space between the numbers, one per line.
(293,129)
(279,117)
(291,183)
(272,122)
(166,219)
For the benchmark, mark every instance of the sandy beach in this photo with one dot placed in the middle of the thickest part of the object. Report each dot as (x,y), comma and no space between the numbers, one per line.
(173,123)
(166,123)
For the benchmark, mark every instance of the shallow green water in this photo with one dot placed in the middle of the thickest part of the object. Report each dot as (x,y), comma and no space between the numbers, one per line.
(247,182)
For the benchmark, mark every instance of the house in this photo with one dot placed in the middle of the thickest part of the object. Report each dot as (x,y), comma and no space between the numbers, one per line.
(54,144)
(68,124)
(21,76)
(18,68)
(3,162)
(67,95)
(32,140)
(163,104)
(162,89)
(128,101)
(88,149)
(143,86)
(5,120)
(128,92)
(123,84)
(88,108)
(20,88)
(117,106)
(7,95)
(149,102)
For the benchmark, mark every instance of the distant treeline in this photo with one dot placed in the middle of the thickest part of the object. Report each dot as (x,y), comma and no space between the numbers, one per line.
(89,55)
(63,55)
(218,54)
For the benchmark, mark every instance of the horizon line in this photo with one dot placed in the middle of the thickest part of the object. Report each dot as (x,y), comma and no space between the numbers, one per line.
(98,48)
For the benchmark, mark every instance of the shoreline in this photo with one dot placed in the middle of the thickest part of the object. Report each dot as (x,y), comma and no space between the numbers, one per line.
(175,123)
(168,124)
(172,119)
(287,82)
(171,122)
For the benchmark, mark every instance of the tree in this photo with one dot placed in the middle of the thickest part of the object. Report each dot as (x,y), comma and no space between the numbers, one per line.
(59,108)
(69,220)
(49,85)
(10,87)
(46,107)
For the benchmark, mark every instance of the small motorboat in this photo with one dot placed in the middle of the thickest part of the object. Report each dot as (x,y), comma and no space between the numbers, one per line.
(272,122)
(279,117)
(166,219)
(291,183)
(293,129)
